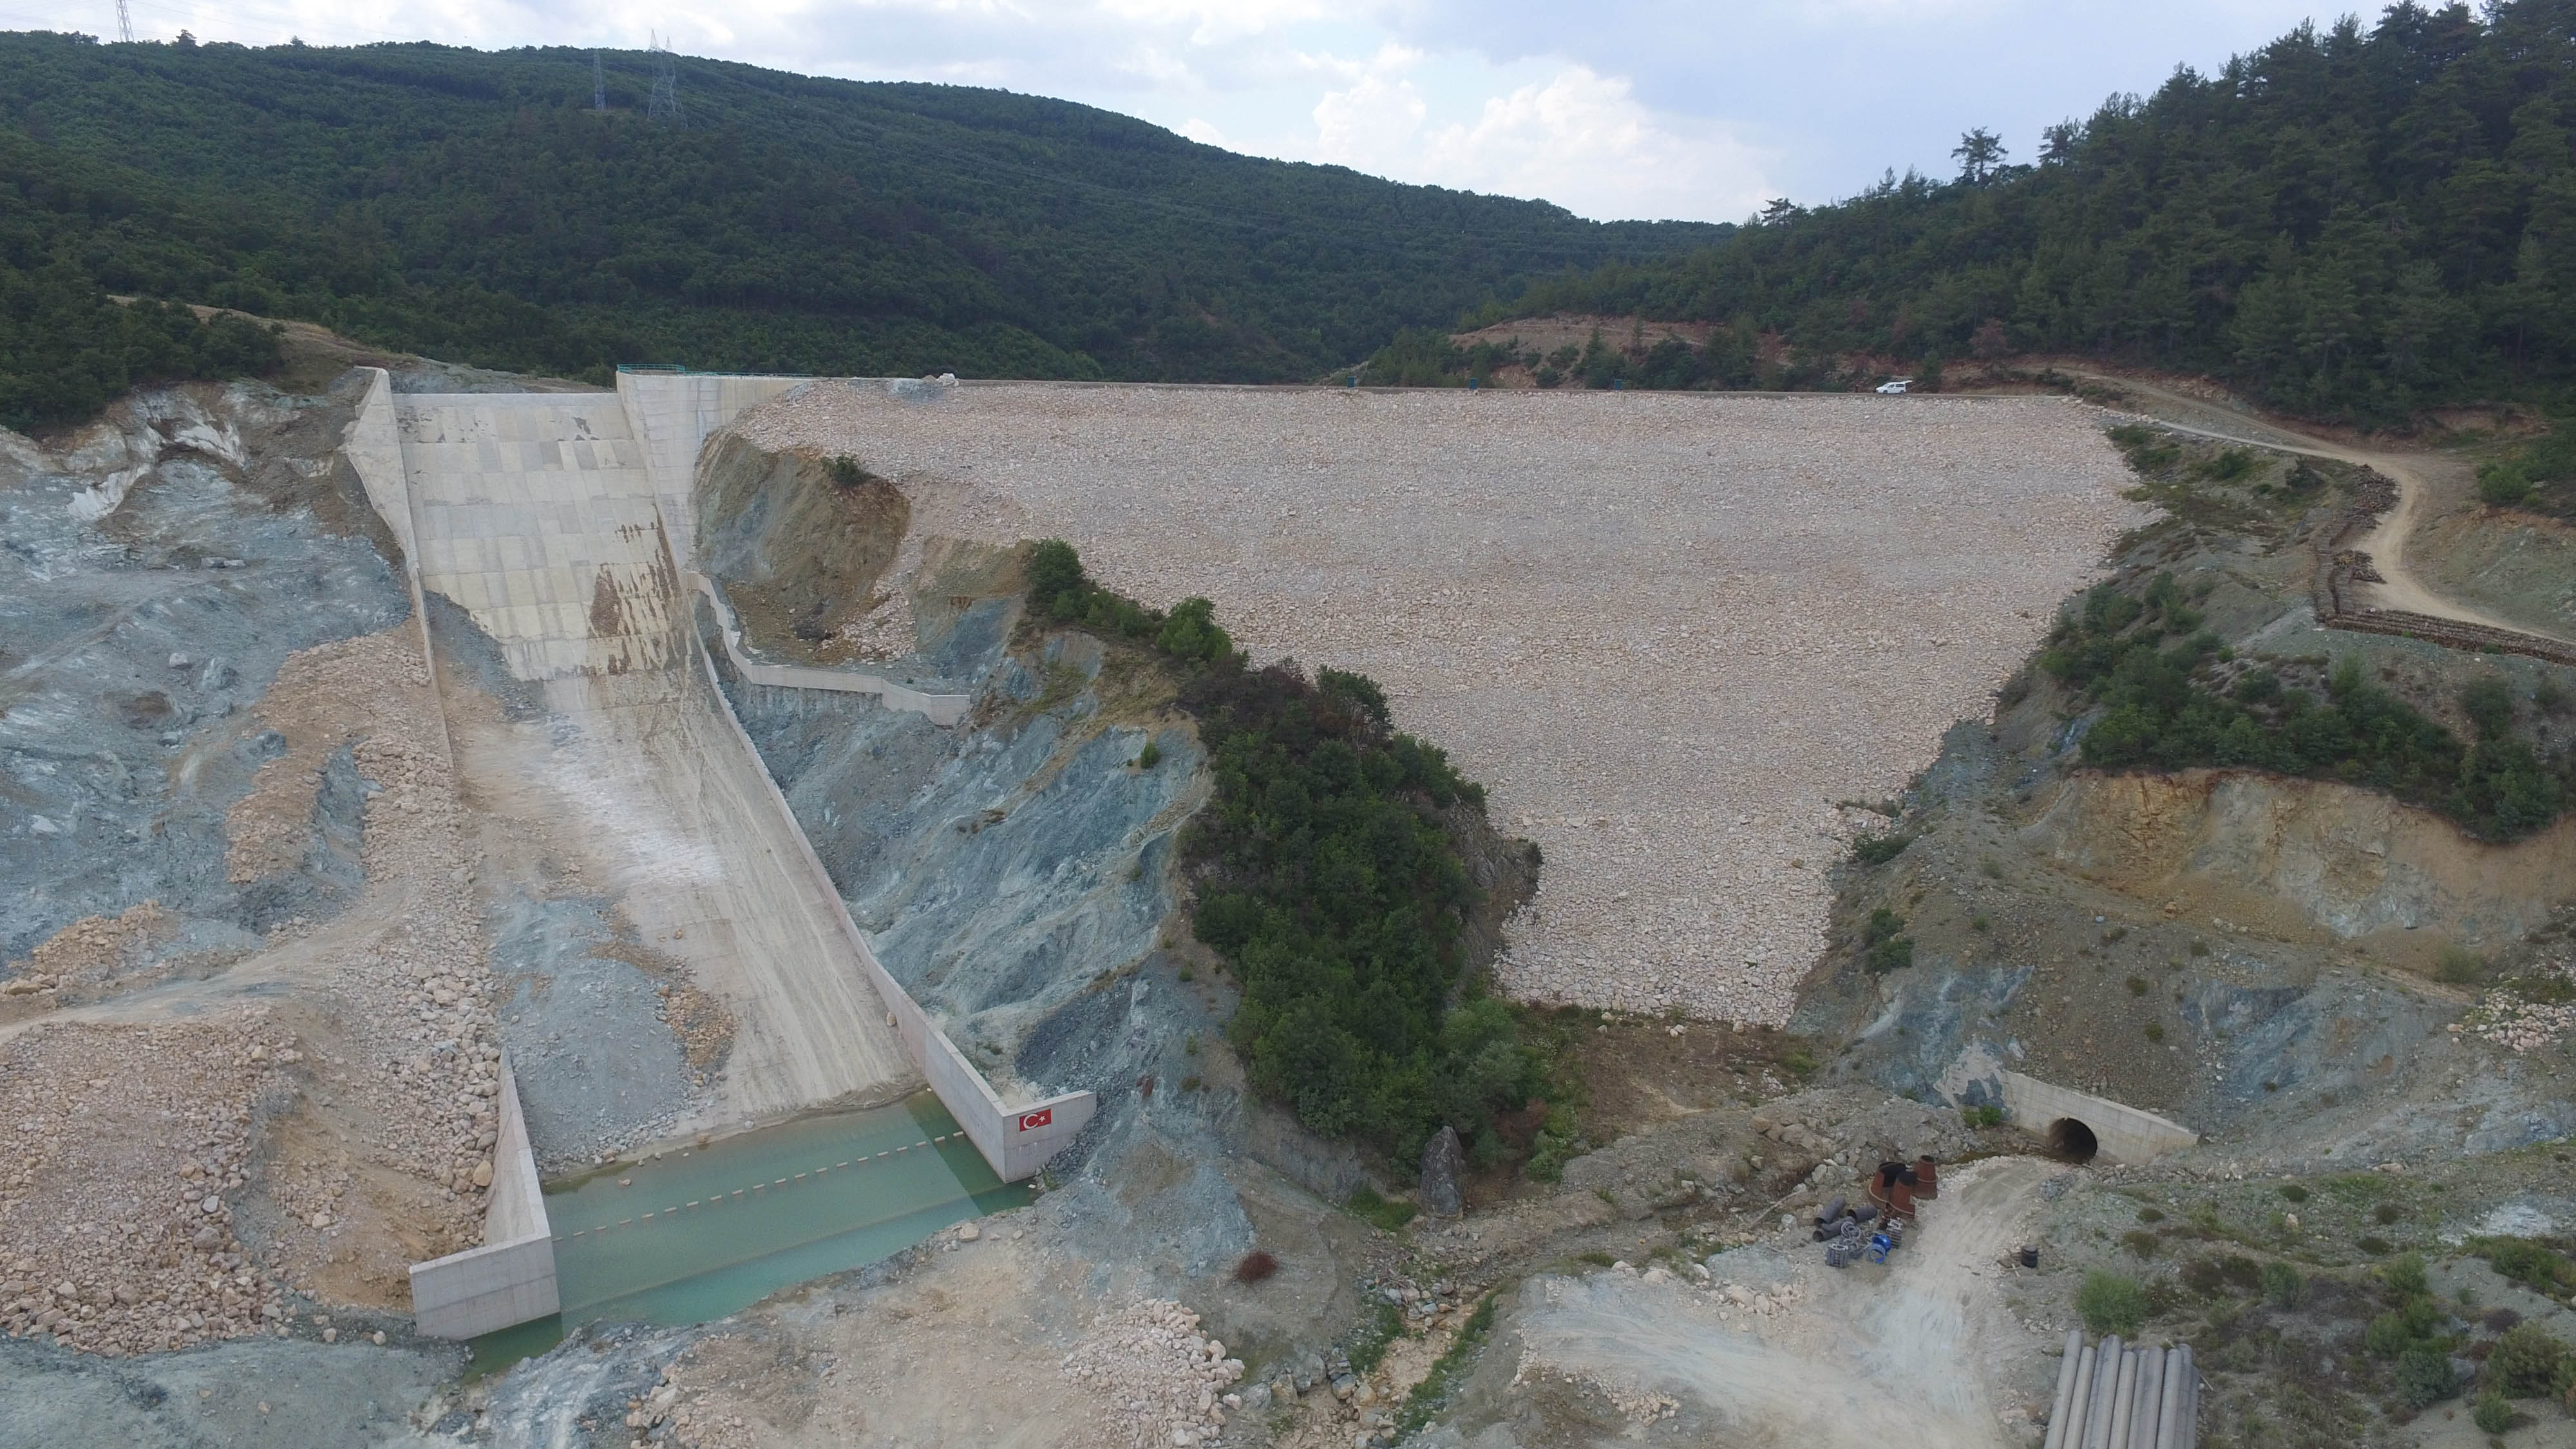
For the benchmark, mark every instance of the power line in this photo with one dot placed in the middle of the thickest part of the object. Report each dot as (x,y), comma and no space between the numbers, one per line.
(598,82)
(665,103)
(124,23)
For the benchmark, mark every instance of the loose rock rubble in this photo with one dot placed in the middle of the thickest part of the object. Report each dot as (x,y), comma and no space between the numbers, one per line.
(89,952)
(1164,1382)
(1667,632)
(2529,1012)
(131,1146)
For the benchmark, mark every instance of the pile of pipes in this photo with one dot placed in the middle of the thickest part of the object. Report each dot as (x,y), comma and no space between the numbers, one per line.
(2124,1396)
(1849,1238)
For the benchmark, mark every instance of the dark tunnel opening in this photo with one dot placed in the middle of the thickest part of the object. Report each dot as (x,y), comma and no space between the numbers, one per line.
(2070,1139)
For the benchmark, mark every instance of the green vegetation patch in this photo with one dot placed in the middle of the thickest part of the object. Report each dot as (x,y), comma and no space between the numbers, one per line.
(2111,1303)
(423,197)
(2145,661)
(2533,1264)
(2359,219)
(1328,879)
(67,349)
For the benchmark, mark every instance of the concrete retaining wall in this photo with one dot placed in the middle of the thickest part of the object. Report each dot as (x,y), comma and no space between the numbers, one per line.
(941,709)
(1016,1141)
(511,1278)
(672,413)
(2124,1133)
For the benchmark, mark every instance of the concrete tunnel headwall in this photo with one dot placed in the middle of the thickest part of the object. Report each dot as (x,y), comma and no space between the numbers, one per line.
(2080,1126)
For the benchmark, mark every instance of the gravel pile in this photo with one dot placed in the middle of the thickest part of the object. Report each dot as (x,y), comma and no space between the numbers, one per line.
(1668,632)
(1163,1381)
(88,953)
(416,999)
(116,1231)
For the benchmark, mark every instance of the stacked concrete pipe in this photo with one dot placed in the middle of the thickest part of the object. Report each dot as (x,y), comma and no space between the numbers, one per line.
(2113,1395)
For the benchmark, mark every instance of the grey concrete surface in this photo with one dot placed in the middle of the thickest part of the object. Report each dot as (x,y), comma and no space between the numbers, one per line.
(535,515)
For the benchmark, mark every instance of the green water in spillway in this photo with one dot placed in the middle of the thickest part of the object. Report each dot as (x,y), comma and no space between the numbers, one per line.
(700,1234)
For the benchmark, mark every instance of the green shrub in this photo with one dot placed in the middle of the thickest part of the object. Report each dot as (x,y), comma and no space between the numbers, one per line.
(2375,1247)
(1056,584)
(1370,1207)
(2424,1376)
(1328,881)
(2110,1303)
(2141,1243)
(2151,1215)
(1884,946)
(2389,1335)
(1150,756)
(2525,1262)
(2458,966)
(2155,1031)
(848,472)
(2404,1277)
(2282,1286)
(2505,485)
(2142,659)
(1879,849)
(2294,1192)
(2492,1414)
(2230,465)
(2525,1361)
(1984,1115)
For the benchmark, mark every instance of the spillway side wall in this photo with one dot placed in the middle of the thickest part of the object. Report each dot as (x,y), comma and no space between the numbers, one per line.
(1015,1141)
(943,710)
(674,414)
(511,1278)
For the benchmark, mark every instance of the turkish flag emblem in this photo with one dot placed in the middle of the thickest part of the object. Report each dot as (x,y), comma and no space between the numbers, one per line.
(1032,1121)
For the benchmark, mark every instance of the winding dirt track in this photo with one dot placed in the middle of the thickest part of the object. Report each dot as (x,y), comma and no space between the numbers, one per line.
(2402,588)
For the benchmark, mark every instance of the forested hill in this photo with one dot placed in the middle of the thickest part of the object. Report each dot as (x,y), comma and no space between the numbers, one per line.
(474,206)
(2354,222)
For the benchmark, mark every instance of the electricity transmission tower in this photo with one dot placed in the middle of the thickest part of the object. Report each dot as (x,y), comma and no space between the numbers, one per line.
(598,81)
(124,23)
(665,104)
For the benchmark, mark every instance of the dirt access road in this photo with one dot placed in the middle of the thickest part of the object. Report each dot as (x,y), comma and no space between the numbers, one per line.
(1912,1352)
(2402,589)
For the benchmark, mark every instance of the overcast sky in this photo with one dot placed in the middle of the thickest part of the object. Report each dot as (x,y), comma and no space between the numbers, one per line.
(1613,108)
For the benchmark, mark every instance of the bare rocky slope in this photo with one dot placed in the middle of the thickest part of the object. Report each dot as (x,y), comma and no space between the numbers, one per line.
(2238,950)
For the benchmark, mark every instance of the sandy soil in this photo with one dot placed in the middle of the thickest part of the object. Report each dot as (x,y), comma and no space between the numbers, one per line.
(1893,1354)
(1667,631)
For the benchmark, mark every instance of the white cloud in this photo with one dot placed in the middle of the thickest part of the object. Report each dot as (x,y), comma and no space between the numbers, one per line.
(1583,142)
(1580,139)
(1374,124)
(1201,131)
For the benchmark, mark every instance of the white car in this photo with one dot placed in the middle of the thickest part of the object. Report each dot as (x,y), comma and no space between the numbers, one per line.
(1895,385)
